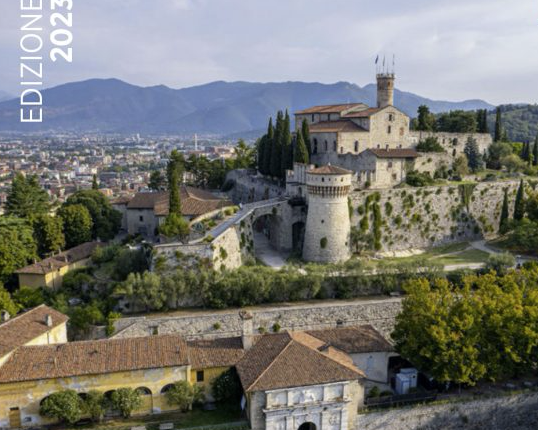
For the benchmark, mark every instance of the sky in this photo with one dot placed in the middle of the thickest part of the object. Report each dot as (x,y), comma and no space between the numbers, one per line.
(444,49)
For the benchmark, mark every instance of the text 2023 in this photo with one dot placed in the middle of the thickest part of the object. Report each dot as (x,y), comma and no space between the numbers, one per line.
(61,37)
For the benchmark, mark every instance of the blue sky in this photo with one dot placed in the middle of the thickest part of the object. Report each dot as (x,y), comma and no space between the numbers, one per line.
(452,50)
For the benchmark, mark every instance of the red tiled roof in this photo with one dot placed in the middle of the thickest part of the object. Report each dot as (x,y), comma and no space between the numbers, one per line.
(215,352)
(25,327)
(330,108)
(70,256)
(328,170)
(94,358)
(339,126)
(353,340)
(394,153)
(363,113)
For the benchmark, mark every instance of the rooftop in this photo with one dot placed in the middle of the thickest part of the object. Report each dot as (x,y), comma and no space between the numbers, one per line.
(353,340)
(335,127)
(23,328)
(394,153)
(329,170)
(339,108)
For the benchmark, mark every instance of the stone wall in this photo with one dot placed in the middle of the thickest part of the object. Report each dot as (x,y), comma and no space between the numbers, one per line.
(431,161)
(453,142)
(432,216)
(380,313)
(249,187)
(516,412)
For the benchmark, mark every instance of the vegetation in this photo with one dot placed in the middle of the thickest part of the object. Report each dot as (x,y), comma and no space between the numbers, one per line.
(66,406)
(174,173)
(26,198)
(49,235)
(125,400)
(77,224)
(474,158)
(185,395)
(227,387)
(430,144)
(175,226)
(17,246)
(418,179)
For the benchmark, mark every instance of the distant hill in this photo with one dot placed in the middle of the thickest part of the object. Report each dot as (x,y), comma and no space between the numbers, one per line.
(222,108)
(520,122)
(5,96)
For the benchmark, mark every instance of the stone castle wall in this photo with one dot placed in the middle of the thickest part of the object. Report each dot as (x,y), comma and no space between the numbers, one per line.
(432,216)
(454,143)
(380,313)
(516,412)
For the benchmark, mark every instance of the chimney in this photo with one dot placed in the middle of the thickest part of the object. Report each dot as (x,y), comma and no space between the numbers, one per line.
(48,320)
(4,316)
(247,335)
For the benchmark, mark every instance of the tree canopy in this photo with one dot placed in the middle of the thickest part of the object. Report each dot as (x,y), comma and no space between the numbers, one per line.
(26,198)
(17,245)
(77,224)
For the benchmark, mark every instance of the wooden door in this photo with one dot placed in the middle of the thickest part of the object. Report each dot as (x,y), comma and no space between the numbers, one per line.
(15,418)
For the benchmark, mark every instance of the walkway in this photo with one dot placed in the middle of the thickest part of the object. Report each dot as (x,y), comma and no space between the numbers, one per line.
(266,253)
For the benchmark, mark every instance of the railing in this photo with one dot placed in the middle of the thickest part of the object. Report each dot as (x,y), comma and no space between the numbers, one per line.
(401,399)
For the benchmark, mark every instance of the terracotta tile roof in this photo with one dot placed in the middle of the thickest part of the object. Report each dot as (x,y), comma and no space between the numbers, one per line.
(330,108)
(194,202)
(94,358)
(394,153)
(284,361)
(70,256)
(363,113)
(329,170)
(215,353)
(336,127)
(354,340)
(25,327)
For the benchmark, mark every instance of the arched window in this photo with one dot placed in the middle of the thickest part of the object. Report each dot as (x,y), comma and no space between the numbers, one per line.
(307,426)
(143,391)
(166,388)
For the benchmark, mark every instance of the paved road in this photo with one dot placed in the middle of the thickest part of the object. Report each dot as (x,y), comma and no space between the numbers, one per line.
(266,253)
(482,245)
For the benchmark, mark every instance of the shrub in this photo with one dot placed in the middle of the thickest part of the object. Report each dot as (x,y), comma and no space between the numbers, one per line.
(417,179)
(500,263)
(66,406)
(430,144)
(94,405)
(184,395)
(374,392)
(227,387)
(216,326)
(276,327)
(125,400)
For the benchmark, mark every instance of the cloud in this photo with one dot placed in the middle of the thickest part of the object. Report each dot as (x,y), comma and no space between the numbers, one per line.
(447,49)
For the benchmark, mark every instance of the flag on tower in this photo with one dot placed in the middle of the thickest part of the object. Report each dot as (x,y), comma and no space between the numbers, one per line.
(377,58)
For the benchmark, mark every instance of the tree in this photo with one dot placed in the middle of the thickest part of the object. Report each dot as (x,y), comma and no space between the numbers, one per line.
(156,181)
(426,120)
(6,302)
(174,170)
(27,297)
(125,400)
(498,125)
(227,387)
(461,165)
(457,121)
(106,220)
(513,163)
(276,147)
(66,406)
(535,152)
(268,149)
(526,152)
(500,262)
(184,395)
(17,245)
(430,144)
(305,131)
(82,317)
(286,160)
(144,290)
(301,151)
(474,158)
(77,224)
(496,152)
(519,206)
(95,184)
(175,226)
(505,216)
(245,156)
(94,405)
(26,198)
(48,234)
(482,121)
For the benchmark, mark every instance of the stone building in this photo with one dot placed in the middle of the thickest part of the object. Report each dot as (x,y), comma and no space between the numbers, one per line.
(327,230)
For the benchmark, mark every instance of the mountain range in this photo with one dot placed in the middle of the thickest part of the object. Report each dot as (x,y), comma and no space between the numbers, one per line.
(218,108)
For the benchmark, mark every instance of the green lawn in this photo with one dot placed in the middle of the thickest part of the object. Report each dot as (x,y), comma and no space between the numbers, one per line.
(469,256)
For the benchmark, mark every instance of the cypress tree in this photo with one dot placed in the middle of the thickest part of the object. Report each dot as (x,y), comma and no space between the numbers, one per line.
(301,151)
(525,151)
(268,149)
(503,224)
(286,161)
(485,127)
(174,170)
(498,127)
(276,147)
(95,185)
(305,130)
(519,206)
(474,159)
(535,152)
(261,152)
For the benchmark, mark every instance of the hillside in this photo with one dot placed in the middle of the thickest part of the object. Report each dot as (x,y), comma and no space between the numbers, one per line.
(520,121)
(222,108)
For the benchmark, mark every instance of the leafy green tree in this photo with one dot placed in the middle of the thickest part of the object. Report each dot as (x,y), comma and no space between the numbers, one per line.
(276,148)
(130,261)
(461,165)
(77,224)
(268,148)
(227,387)
(519,206)
(125,400)
(482,121)
(81,318)
(26,198)
(505,216)
(496,152)
(245,156)
(500,262)
(66,406)
(144,290)
(426,120)
(301,151)
(474,158)
(184,395)
(27,297)
(17,245)
(106,220)
(175,226)
(457,121)
(95,184)
(174,171)
(94,405)
(7,303)
(48,234)
(513,163)
(305,131)
(286,160)
(430,144)
(498,125)
(157,181)
(535,152)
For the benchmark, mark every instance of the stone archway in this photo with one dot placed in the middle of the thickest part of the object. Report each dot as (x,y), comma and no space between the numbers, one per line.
(307,426)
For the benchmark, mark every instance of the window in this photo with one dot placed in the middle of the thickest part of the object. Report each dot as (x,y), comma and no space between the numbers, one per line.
(315,146)
(394,176)
(334,145)
(326,146)
(199,376)
(356,146)
(141,218)
(341,150)
(389,165)
(391,117)
(389,129)
(402,131)
(313,118)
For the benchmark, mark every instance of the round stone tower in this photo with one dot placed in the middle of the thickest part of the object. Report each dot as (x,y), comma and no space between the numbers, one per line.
(327,223)
(385,89)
